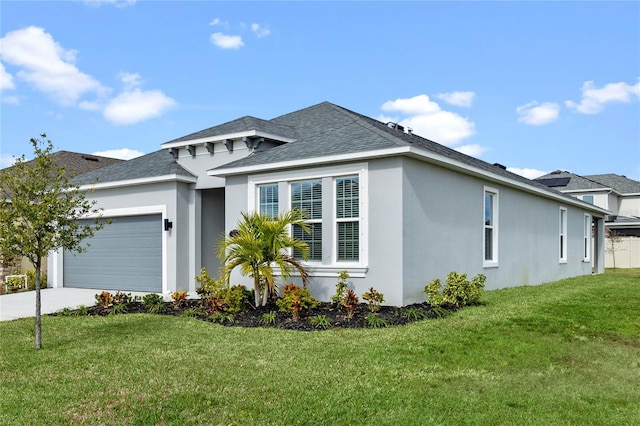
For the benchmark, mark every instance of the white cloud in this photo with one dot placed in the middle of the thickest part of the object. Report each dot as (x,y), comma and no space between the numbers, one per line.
(224,41)
(122,154)
(11,100)
(130,80)
(6,79)
(427,119)
(259,30)
(462,99)
(47,66)
(528,173)
(594,99)
(474,150)
(134,106)
(6,160)
(537,114)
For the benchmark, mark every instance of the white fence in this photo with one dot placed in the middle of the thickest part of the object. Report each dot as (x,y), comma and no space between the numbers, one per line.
(627,253)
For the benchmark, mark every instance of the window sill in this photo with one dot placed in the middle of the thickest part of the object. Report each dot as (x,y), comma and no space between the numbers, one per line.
(490,264)
(333,271)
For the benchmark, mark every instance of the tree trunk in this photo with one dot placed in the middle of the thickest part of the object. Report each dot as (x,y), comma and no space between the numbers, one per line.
(256,287)
(265,295)
(38,266)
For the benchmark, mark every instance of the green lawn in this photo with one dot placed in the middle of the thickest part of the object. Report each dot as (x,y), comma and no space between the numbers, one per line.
(560,353)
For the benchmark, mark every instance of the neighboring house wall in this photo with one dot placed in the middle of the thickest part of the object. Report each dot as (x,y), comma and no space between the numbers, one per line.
(612,203)
(630,206)
(627,253)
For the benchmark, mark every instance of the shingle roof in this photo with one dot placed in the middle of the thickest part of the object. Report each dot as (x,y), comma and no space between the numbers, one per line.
(575,183)
(621,184)
(158,163)
(240,125)
(76,163)
(327,129)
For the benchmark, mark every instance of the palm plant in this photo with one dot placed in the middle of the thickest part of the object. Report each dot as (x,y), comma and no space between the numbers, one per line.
(259,244)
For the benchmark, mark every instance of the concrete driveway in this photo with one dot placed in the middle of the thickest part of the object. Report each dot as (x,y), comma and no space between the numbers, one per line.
(23,305)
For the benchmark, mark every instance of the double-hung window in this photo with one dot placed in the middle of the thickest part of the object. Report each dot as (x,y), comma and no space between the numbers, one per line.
(334,202)
(490,227)
(587,238)
(268,199)
(348,218)
(306,196)
(563,235)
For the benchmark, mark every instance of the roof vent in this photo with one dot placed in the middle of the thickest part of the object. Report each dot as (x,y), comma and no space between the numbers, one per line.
(500,166)
(395,126)
(409,130)
(86,157)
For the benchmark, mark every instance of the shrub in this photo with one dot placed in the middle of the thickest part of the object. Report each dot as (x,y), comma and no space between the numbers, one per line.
(413,314)
(296,299)
(122,298)
(221,317)
(458,290)
(350,302)
(14,283)
(375,321)
(153,303)
(193,312)
(374,298)
(320,321)
(118,309)
(104,299)
(235,298)
(31,279)
(179,298)
(268,318)
(341,288)
(209,287)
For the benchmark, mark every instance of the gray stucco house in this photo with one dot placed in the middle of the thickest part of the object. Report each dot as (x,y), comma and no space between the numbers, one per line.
(394,209)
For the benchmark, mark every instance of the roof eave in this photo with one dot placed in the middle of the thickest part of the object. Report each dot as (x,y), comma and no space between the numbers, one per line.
(414,152)
(227,136)
(139,181)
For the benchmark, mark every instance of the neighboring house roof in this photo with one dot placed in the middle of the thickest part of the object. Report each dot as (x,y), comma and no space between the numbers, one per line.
(155,164)
(240,125)
(567,181)
(609,181)
(621,184)
(76,163)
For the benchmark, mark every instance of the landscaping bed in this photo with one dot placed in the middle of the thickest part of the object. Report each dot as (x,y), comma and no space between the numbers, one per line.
(324,316)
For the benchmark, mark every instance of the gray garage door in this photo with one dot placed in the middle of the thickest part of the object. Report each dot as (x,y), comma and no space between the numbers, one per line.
(125,255)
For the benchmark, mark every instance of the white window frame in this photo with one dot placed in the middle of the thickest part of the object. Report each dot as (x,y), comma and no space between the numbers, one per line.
(493,262)
(562,235)
(587,238)
(311,221)
(329,266)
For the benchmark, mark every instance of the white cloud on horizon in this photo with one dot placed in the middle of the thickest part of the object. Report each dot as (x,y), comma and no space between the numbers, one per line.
(122,154)
(427,119)
(473,150)
(131,107)
(51,70)
(594,99)
(6,79)
(224,41)
(48,66)
(526,172)
(536,114)
(6,160)
(259,30)
(462,99)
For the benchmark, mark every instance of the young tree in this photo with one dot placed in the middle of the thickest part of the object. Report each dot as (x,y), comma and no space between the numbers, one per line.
(261,242)
(613,239)
(39,213)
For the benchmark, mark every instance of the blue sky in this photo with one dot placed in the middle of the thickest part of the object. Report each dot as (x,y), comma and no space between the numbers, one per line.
(536,86)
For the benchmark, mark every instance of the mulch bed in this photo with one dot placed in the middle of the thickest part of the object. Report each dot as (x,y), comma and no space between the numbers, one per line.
(254,317)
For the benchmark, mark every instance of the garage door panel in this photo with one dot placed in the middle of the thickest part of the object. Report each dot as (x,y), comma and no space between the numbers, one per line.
(125,255)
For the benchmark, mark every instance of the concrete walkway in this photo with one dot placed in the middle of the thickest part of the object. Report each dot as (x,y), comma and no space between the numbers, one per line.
(23,305)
